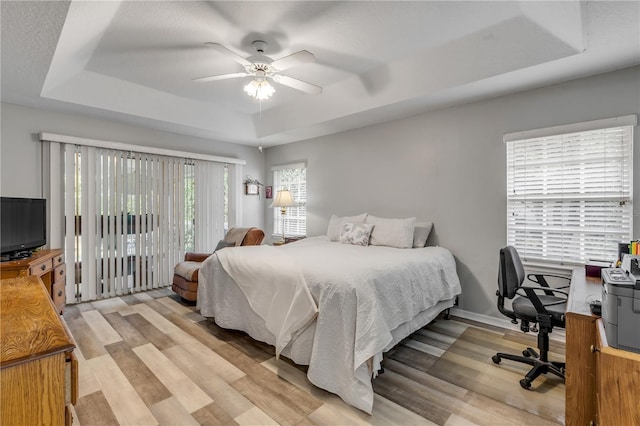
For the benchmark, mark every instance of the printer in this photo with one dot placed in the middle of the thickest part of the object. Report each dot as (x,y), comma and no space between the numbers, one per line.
(621,304)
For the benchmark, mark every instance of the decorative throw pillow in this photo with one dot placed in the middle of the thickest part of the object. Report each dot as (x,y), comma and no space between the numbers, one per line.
(421,233)
(356,234)
(392,232)
(222,244)
(335,224)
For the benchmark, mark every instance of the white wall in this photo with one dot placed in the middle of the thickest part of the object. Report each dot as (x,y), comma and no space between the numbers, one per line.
(448,166)
(21,151)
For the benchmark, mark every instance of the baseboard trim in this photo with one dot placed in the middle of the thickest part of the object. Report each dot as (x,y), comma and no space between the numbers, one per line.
(558,333)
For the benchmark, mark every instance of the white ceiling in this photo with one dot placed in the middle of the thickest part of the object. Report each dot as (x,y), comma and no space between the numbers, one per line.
(134,60)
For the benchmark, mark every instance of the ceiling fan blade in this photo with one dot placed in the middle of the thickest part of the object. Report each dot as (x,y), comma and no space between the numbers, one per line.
(220,77)
(312,89)
(292,60)
(233,55)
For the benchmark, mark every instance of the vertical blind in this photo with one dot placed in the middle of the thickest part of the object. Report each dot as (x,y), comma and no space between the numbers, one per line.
(294,178)
(211,208)
(569,196)
(127,216)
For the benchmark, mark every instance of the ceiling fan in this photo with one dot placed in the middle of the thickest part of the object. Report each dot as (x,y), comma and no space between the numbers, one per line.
(262,67)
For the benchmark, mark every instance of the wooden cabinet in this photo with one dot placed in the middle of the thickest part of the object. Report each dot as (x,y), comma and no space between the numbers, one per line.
(48,265)
(602,383)
(38,370)
(580,374)
(617,383)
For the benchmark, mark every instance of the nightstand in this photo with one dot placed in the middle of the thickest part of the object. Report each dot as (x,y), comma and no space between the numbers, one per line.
(287,240)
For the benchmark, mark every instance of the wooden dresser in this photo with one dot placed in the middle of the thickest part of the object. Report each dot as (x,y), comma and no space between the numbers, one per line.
(38,369)
(602,383)
(48,265)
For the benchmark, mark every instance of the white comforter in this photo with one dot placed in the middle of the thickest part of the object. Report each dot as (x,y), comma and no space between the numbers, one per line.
(274,287)
(363,294)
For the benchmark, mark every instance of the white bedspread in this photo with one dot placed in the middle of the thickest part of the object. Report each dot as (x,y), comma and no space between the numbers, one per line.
(274,287)
(363,294)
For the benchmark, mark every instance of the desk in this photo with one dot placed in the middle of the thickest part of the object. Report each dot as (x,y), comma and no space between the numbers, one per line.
(48,265)
(38,369)
(602,383)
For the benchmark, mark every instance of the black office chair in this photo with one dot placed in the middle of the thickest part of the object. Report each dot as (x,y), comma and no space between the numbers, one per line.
(535,304)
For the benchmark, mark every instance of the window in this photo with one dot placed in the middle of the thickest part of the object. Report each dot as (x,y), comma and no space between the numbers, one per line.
(569,194)
(294,178)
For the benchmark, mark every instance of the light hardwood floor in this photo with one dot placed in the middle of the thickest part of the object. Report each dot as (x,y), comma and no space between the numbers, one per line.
(150,359)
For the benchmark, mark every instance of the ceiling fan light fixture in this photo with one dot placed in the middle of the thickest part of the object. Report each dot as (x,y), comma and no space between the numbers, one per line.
(259,89)
(262,67)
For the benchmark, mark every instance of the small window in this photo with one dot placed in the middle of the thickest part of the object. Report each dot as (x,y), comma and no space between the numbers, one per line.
(569,195)
(294,178)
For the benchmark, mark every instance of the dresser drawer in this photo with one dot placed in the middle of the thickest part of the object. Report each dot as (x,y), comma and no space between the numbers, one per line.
(58,295)
(58,260)
(41,268)
(60,272)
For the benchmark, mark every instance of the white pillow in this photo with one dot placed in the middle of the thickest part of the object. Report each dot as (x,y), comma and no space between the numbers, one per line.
(336,223)
(392,232)
(356,234)
(421,233)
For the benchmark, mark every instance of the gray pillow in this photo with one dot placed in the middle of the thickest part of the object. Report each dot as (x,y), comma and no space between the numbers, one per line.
(222,244)
(421,233)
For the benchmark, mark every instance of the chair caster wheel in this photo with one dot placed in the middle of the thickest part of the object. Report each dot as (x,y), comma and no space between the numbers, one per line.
(526,384)
(495,359)
(526,353)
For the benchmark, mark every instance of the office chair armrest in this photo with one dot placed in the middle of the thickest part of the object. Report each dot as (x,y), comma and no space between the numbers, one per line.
(542,282)
(552,290)
(530,293)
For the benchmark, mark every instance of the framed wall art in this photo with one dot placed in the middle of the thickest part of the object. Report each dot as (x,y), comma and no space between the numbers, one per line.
(251,188)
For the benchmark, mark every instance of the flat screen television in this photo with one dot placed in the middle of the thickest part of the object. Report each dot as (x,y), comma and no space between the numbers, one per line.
(23,226)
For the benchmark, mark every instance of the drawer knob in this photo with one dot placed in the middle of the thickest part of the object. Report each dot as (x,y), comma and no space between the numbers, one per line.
(61,272)
(594,349)
(59,293)
(43,267)
(60,259)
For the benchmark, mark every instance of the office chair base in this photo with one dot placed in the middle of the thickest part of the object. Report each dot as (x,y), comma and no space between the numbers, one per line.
(532,358)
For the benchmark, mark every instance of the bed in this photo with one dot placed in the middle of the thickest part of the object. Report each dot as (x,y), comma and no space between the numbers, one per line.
(339,308)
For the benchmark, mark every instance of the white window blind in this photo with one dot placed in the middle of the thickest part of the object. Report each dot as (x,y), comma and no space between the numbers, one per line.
(294,178)
(569,196)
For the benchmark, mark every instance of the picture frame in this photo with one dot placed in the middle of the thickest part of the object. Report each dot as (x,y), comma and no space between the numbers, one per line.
(268,190)
(251,189)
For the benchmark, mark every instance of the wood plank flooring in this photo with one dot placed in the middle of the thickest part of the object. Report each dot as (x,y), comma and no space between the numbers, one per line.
(150,359)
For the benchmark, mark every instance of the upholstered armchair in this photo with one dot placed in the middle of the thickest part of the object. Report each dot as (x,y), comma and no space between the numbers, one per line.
(185,277)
